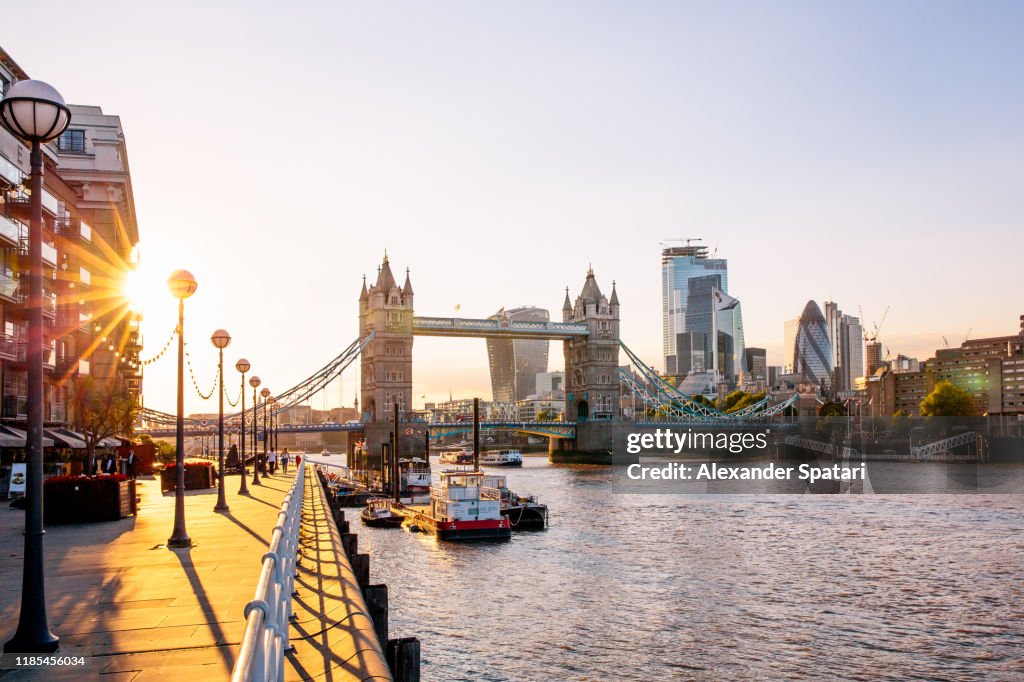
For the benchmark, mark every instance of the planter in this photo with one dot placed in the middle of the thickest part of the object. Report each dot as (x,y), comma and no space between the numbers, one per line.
(86,499)
(198,476)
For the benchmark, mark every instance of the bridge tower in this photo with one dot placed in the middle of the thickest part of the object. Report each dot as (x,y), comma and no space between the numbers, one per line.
(386,309)
(591,363)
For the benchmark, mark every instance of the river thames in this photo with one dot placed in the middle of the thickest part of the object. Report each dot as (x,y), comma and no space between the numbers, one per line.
(671,586)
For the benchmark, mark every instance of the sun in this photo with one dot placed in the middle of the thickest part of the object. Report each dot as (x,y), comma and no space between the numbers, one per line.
(141,289)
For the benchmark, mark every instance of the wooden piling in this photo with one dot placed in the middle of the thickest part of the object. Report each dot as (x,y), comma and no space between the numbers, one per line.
(361,567)
(403,657)
(377,602)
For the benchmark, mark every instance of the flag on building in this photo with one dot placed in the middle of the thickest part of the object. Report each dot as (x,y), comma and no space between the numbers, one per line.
(723,301)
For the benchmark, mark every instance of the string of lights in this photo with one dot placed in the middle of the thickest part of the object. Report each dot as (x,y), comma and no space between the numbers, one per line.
(233,403)
(174,333)
(216,379)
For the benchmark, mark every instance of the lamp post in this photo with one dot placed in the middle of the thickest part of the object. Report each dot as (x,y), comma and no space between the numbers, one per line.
(182,285)
(220,341)
(255,382)
(265,392)
(34,112)
(243,367)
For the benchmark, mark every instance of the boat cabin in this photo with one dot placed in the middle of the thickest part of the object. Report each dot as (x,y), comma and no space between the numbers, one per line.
(462,496)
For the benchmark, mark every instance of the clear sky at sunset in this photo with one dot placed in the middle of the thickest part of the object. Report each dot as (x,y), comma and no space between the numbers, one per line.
(870,150)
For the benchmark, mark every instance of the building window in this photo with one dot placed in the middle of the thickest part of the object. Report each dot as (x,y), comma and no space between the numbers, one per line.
(71,141)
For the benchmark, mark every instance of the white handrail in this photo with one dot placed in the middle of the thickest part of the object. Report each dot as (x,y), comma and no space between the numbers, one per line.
(267,616)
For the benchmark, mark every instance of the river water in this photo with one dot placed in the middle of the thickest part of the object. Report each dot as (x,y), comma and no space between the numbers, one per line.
(664,586)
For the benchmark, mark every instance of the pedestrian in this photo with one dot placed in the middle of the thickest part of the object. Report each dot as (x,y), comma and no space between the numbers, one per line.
(109,467)
(273,462)
(131,464)
(284,461)
(233,457)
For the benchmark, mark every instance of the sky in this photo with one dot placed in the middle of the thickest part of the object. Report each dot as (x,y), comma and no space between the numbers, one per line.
(871,152)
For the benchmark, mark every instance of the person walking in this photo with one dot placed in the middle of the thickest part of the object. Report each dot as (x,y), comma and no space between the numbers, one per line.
(131,464)
(284,461)
(273,462)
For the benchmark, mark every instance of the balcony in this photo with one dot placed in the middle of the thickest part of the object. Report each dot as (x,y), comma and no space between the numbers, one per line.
(8,347)
(15,407)
(49,304)
(73,227)
(9,288)
(10,172)
(50,254)
(73,366)
(11,231)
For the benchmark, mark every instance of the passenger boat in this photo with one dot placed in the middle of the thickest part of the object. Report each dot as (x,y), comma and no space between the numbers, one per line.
(523,513)
(378,513)
(415,475)
(460,508)
(456,457)
(502,458)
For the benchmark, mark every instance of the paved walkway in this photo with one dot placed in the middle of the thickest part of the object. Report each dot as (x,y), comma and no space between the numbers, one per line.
(139,611)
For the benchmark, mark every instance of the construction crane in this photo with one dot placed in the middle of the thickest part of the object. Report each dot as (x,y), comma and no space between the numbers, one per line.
(945,342)
(878,327)
(968,334)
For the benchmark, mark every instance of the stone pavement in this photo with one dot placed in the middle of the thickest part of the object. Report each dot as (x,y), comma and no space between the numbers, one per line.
(139,611)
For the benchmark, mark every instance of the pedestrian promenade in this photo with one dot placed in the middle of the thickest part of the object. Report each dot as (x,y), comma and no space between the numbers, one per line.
(138,611)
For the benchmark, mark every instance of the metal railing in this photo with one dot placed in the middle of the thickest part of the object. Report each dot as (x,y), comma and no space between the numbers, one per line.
(267,616)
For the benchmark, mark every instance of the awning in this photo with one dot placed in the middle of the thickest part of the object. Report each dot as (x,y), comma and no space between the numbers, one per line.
(65,439)
(110,442)
(19,437)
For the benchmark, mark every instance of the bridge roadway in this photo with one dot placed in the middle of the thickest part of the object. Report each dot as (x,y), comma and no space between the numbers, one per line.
(138,611)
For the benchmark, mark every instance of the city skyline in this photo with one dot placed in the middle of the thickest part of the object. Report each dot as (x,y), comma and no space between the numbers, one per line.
(837,185)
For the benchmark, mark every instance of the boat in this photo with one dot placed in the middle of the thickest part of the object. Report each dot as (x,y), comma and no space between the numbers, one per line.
(415,474)
(378,513)
(523,513)
(460,509)
(502,458)
(456,457)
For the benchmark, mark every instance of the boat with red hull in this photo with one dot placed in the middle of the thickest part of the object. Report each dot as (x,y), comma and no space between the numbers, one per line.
(461,508)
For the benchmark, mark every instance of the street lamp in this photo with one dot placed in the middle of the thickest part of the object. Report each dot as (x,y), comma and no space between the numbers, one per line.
(243,367)
(182,285)
(266,430)
(34,112)
(220,341)
(255,382)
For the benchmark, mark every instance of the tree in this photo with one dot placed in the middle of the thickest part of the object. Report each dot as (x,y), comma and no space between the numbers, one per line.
(546,415)
(832,409)
(948,400)
(744,400)
(102,409)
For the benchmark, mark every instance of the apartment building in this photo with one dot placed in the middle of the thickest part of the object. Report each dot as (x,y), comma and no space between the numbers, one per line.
(90,233)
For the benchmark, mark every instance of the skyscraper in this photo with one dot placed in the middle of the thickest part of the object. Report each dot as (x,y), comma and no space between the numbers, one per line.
(516,363)
(847,339)
(812,349)
(680,264)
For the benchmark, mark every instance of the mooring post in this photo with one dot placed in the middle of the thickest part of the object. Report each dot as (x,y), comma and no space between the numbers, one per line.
(350,541)
(361,567)
(403,656)
(476,435)
(377,602)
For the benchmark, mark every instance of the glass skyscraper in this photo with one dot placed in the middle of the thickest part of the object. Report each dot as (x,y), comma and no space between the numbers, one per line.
(812,348)
(688,276)
(515,363)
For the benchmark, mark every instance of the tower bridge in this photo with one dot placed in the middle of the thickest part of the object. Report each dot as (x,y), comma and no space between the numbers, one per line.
(589,331)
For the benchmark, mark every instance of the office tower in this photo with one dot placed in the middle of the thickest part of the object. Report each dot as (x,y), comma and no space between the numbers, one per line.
(847,340)
(812,350)
(757,366)
(680,264)
(516,363)
(873,354)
